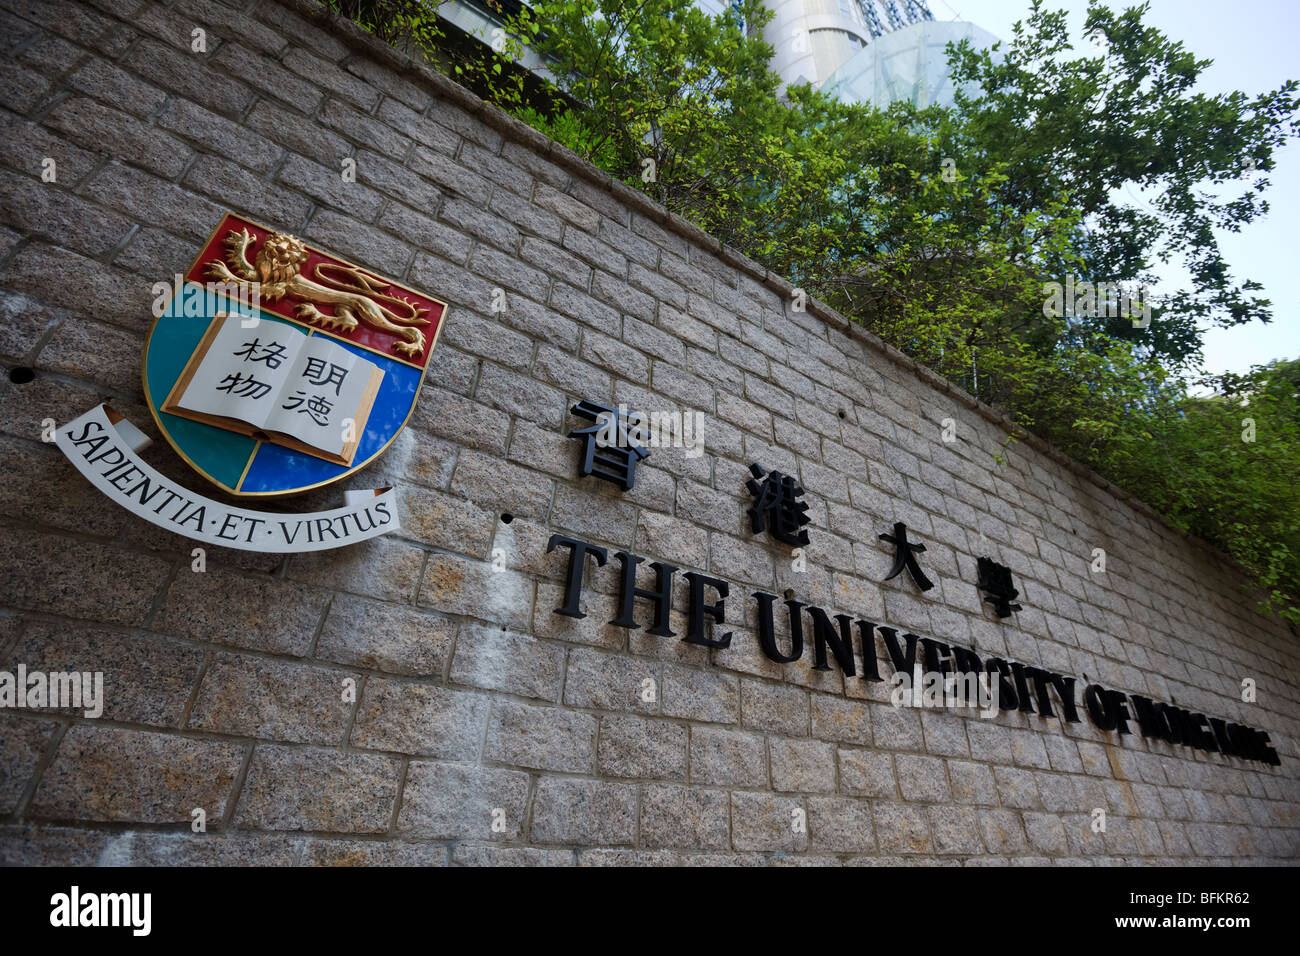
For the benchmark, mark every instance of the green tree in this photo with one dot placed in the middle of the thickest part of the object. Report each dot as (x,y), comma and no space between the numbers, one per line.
(1229,472)
(1096,127)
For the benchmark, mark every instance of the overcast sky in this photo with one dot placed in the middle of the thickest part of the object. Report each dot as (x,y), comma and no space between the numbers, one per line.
(1253,46)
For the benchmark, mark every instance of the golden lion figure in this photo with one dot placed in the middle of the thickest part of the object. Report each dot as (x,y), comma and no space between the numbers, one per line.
(276,268)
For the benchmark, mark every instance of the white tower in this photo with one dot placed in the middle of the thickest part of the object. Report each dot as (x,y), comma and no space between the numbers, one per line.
(814,38)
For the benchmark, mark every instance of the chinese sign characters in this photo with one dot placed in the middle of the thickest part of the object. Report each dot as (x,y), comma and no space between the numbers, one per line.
(995,581)
(905,553)
(777,507)
(609,451)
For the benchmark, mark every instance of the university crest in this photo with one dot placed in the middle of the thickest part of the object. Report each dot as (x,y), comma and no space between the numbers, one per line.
(275,368)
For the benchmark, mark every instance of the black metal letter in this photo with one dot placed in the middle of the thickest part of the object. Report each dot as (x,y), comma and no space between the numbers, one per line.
(662,595)
(577,568)
(867,634)
(767,632)
(841,645)
(904,663)
(695,616)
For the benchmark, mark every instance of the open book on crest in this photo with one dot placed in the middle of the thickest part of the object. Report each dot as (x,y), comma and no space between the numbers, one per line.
(278,383)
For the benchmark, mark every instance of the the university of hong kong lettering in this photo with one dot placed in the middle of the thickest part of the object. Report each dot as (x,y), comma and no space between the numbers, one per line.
(272,368)
(852,647)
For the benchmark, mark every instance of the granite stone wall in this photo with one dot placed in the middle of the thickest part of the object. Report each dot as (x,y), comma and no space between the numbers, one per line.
(484,727)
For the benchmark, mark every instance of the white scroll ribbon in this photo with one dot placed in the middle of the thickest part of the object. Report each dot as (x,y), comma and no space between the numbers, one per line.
(103,446)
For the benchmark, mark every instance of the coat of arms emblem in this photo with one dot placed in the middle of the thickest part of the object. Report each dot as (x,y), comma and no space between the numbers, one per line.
(276,368)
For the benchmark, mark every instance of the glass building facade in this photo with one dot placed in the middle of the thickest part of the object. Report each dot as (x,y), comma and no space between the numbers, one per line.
(907,64)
